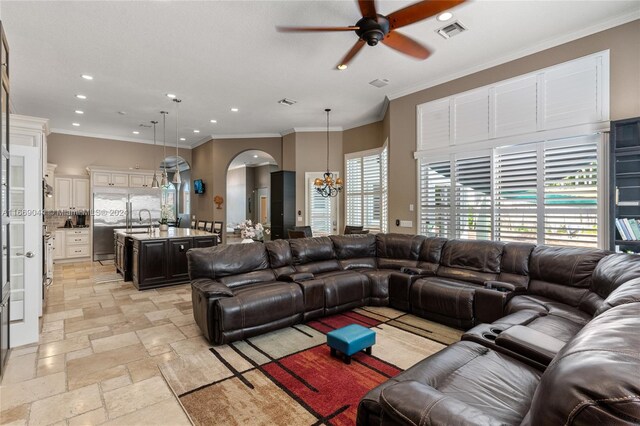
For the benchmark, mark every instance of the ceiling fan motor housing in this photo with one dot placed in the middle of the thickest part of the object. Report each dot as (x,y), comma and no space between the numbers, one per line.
(373,30)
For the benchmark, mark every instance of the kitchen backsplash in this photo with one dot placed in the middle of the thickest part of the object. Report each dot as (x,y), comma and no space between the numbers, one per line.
(55,220)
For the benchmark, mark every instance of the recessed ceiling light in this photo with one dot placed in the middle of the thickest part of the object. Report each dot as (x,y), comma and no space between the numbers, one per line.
(213,121)
(171,95)
(182,139)
(81,97)
(122,112)
(135,132)
(79,112)
(255,156)
(87,77)
(75,124)
(444,16)
(342,67)
(234,110)
(196,131)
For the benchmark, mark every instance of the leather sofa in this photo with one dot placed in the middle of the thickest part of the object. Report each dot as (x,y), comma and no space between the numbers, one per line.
(551,331)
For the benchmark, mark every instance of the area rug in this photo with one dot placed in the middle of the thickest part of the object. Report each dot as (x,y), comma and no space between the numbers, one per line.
(288,376)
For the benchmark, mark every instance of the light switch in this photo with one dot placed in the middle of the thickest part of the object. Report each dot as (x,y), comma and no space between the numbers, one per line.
(410,207)
(299,218)
(406,224)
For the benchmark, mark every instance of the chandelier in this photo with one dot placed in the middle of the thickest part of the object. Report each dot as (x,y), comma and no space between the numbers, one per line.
(328,186)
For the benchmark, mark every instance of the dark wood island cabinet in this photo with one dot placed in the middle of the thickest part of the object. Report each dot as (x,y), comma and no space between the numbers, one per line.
(158,259)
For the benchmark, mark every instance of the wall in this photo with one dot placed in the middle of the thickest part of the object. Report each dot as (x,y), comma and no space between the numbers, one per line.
(311,156)
(622,42)
(363,138)
(73,154)
(210,163)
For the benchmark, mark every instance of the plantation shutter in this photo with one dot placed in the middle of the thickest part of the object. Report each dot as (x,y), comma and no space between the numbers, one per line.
(435,198)
(384,180)
(516,175)
(473,197)
(371,192)
(353,186)
(320,214)
(571,192)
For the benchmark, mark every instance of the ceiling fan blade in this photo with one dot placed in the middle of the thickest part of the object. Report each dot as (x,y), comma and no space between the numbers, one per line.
(314,29)
(406,45)
(419,11)
(352,53)
(368,8)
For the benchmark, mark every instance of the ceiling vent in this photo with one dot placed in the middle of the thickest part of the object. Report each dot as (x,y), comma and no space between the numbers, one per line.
(451,30)
(379,83)
(147,126)
(287,102)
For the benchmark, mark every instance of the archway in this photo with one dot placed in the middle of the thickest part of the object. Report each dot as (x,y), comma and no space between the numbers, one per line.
(249,190)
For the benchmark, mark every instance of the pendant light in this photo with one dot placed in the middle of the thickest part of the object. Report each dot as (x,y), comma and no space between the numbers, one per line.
(176,175)
(154,182)
(165,182)
(327,186)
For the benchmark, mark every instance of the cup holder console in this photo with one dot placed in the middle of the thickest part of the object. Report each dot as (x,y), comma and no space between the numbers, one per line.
(496,330)
(489,336)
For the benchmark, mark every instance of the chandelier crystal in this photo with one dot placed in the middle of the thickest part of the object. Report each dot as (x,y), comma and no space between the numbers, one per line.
(328,185)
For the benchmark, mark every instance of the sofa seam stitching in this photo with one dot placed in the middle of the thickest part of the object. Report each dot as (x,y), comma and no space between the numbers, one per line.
(396,411)
(591,401)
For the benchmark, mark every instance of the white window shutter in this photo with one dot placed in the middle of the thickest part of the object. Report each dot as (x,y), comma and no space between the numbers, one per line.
(471,116)
(434,125)
(473,198)
(435,198)
(514,105)
(384,180)
(320,211)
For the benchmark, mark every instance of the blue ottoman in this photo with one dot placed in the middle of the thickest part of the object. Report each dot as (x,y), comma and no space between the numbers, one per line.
(351,339)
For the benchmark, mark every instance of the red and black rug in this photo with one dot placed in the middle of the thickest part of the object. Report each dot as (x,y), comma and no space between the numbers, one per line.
(288,376)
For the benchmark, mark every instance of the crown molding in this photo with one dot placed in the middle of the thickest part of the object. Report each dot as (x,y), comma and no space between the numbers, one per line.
(544,45)
(311,129)
(28,122)
(111,137)
(201,141)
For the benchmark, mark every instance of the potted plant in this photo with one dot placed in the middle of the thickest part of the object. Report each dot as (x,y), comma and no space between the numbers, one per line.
(166,214)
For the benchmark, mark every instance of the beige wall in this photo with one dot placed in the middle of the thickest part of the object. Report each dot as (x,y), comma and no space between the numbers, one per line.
(210,163)
(622,42)
(311,156)
(363,138)
(73,154)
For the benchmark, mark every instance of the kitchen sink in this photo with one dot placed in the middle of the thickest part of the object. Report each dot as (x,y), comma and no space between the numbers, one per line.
(137,232)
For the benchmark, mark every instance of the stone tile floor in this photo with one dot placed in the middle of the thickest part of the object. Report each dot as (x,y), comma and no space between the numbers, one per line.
(97,360)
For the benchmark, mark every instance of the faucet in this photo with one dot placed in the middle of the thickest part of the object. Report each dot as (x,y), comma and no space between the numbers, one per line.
(149,213)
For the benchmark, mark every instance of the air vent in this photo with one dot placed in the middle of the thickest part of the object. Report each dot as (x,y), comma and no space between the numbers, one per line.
(451,30)
(287,102)
(379,83)
(147,126)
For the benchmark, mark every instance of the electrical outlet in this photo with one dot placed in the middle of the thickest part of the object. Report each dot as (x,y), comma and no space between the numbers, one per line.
(410,207)
(406,224)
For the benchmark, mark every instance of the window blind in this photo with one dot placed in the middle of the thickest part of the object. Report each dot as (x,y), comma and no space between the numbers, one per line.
(473,199)
(435,198)
(320,211)
(366,190)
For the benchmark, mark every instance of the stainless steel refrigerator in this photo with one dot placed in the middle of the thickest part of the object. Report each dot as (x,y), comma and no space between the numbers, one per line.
(118,208)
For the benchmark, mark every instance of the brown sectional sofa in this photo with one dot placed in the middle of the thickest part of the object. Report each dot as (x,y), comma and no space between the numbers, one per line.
(528,310)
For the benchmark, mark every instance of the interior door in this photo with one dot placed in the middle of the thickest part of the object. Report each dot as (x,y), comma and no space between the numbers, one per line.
(25,245)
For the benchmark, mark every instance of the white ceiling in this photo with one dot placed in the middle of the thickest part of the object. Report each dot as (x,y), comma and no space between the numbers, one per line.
(216,55)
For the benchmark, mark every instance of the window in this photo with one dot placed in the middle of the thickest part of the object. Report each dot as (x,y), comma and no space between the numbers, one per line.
(366,189)
(545,193)
(321,211)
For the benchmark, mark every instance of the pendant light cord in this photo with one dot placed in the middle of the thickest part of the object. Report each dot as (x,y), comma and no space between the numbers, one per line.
(177,101)
(164,140)
(327,111)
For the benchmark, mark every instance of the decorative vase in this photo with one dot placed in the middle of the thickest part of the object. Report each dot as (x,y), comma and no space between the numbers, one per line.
(164,227)
(246,240)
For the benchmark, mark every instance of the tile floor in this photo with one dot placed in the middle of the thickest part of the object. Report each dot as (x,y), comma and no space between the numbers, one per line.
(97,360)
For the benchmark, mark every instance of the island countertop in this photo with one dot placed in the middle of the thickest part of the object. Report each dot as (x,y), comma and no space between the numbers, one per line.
(141,234)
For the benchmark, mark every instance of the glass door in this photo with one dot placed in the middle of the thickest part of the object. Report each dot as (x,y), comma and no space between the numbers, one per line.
(24,245)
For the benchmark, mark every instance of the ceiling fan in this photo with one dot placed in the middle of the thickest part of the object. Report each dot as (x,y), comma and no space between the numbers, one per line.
(373,27)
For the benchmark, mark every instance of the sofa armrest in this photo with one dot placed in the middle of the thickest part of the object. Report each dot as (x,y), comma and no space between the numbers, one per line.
(504,286)
(296,277)
(531,343)
(416,271)
(211,288)
(412,402)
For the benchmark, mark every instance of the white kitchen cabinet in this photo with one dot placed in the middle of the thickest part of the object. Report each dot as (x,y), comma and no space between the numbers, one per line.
(59,244)
(111,179)
(71,243)
(49,177)
(71,193)
(140,181)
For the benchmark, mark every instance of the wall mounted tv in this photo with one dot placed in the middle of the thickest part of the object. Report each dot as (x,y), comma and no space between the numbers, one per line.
(198,186)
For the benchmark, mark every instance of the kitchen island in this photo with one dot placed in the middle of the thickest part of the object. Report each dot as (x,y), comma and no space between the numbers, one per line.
(157,259)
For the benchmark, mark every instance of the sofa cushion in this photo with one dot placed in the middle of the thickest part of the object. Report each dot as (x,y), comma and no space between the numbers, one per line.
(393,251)
(379,286)
(224,260)
(444,300)
(316,249)
(257,304)
(430,253)
(279,253)
(514,266)
(563,273)
(344,290)
(260,276)
(594,378)
(499,386)
(473,261)
(354,246)
(628,292)
(614,270)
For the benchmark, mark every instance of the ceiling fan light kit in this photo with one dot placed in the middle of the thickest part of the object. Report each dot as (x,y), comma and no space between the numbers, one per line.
(374,28)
